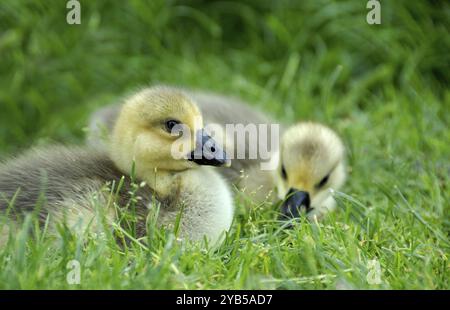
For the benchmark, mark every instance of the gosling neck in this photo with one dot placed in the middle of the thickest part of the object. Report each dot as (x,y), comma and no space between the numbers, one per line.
(163,182)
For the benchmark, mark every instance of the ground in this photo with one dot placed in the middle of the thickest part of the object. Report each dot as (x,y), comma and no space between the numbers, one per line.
(384,88)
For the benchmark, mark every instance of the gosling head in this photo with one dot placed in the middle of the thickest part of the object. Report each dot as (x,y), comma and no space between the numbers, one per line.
(312,162)
(161,129)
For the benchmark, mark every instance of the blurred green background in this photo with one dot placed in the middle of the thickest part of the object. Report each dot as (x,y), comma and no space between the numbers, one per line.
(384,88)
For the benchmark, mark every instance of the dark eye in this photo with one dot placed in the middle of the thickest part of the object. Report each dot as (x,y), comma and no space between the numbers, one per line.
(323,182)
(283,172)
(170,124)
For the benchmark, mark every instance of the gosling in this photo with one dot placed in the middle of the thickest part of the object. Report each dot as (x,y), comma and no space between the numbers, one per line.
(311,165)
(65,181)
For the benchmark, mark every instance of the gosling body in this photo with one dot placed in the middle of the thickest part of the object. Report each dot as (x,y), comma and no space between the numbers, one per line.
(70,184)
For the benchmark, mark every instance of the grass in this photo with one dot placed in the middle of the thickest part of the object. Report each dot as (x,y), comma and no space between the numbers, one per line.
(384,88)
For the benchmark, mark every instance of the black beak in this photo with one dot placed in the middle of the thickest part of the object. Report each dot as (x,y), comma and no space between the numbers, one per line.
(207,152)
(295,203)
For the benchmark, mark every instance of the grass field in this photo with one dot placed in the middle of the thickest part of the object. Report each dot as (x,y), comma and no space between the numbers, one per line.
(384,88)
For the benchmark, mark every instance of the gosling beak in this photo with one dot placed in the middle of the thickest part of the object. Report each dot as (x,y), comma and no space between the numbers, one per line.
(295,203)
(207,152)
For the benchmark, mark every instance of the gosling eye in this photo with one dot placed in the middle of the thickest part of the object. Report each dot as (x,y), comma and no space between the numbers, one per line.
(323,182)
(169,124)
(283,172)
